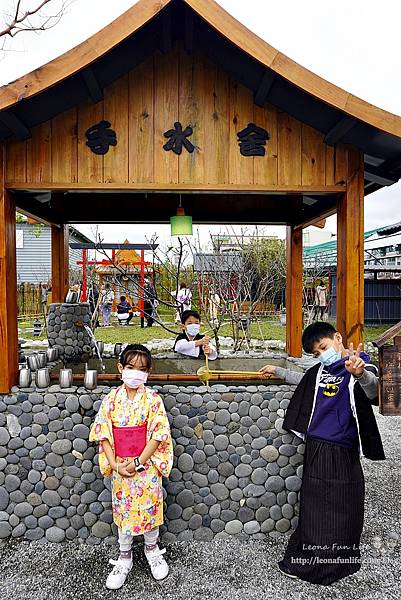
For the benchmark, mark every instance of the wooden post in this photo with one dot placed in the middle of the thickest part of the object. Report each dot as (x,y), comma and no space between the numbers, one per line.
(142,288)
(8,288)
(84,269)
(293,295)
(350,253)
(60,263)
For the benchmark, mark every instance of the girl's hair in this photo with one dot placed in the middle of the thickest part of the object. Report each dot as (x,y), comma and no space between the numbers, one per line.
(134,350)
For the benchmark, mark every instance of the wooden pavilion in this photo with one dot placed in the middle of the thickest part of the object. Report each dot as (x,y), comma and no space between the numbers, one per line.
(177,100)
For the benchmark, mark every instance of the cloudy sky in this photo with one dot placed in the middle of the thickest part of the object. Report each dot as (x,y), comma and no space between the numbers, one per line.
(355,44)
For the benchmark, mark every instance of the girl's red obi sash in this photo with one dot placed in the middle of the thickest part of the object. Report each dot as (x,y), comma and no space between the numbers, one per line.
(129,441)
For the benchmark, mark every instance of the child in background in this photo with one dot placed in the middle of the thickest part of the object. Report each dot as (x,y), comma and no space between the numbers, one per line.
(331,410)
(135,449)
(190,342)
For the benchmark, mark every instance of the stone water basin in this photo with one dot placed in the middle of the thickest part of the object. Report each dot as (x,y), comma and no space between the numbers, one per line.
(176,365)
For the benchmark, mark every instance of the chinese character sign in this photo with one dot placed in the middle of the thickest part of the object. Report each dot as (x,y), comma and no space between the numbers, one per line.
(100,137)
(178,139)
(252,140)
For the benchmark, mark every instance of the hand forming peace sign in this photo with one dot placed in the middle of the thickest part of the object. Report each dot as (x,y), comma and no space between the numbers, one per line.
(355,364)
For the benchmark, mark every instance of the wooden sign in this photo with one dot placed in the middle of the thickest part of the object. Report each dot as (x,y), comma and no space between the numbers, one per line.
(389,345)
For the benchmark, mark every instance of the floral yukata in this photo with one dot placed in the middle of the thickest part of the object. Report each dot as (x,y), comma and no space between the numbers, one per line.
(137,501)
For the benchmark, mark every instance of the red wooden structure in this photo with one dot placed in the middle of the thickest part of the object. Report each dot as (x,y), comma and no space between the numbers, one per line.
(142,264)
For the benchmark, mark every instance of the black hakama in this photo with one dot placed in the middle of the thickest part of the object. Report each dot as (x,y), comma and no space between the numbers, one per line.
(325,545)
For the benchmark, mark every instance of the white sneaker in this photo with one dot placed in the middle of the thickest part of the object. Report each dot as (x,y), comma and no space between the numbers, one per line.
(117,577)
(158,566)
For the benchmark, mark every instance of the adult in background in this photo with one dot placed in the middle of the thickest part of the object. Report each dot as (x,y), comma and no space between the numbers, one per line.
(107,299)
(320,300)
(93,298)
(149,302)
(44,292)
(184,300)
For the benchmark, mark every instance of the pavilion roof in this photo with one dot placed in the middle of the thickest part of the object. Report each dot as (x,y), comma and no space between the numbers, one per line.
(152,25)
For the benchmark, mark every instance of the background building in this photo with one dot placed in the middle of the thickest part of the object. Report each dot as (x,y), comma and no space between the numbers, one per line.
(34,252)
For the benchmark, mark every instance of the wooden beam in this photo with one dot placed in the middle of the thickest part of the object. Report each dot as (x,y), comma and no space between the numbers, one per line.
(265,85)
(158,208)
(42,212)
(314,220)
(8,287)
(293,295)
(379,175)
(178,187)
(350,253)
(60,263)
(94,89)
(388,335)
(393,166)
(15,125)
(339,130)
(189,31)
(166,38)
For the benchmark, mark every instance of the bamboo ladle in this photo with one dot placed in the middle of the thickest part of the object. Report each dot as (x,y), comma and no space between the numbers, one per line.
(205,374)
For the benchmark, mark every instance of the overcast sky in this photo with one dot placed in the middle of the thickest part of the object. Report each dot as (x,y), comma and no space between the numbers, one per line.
(355,44)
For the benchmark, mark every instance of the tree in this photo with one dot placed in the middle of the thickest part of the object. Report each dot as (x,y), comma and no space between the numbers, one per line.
(18,16)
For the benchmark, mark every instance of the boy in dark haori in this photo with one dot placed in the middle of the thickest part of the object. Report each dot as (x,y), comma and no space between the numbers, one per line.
(331,410)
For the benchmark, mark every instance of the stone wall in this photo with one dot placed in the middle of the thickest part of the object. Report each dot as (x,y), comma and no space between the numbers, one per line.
(66,331)
(236,471)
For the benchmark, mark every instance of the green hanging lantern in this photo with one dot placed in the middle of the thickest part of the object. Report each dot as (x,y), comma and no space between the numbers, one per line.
(181,224)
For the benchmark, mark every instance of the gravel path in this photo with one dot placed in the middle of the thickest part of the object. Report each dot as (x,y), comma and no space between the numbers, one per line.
(222,569)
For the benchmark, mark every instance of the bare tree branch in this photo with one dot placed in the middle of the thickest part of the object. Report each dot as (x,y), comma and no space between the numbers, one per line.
(31,15)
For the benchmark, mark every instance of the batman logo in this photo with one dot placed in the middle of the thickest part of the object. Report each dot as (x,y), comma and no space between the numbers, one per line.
(330,390)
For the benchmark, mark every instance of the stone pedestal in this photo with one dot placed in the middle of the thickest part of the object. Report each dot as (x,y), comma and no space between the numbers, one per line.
(66,331)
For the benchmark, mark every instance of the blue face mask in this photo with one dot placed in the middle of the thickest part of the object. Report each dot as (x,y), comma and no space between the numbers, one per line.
(193,329)
(329,356)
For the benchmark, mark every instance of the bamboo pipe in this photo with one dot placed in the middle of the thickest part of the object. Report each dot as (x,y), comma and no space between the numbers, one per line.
(217,376)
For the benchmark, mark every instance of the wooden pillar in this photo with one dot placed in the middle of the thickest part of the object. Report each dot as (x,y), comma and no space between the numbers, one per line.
(8,288)
(60,262)
(293,292)
(350,253)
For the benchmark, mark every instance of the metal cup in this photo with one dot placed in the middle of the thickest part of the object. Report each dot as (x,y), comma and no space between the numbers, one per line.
(71,297)
(32,362)
(52,354)
(42,378)
(42,359)
(65,378)
(25,378)
(90,379)
(117,350)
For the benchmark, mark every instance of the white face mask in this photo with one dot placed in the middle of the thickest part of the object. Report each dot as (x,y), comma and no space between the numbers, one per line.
(193,329)
(133,378)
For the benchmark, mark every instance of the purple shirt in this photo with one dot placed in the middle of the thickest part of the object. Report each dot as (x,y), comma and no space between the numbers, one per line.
(332,420)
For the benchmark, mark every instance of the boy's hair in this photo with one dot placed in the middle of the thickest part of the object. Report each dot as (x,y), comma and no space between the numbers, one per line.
(189,313)
(134,350)
(316,332)
(122,298)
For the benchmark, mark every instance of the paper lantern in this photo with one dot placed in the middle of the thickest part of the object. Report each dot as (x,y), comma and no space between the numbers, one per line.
(181,224)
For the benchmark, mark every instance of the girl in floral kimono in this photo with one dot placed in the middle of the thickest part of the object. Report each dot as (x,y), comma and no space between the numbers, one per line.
(135,449)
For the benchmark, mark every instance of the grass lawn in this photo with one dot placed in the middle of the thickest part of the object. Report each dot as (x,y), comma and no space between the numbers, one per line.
(267,329)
